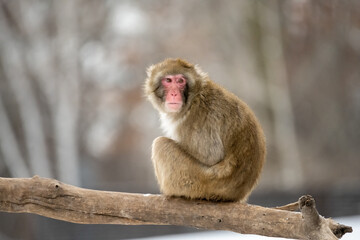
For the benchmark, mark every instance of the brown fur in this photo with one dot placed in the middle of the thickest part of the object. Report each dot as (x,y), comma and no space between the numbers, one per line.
(215,147)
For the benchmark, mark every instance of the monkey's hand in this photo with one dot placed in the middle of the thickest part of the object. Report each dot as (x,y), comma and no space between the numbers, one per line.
(222,169)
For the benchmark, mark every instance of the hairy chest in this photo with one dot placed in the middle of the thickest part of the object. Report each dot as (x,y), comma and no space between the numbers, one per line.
(200,137)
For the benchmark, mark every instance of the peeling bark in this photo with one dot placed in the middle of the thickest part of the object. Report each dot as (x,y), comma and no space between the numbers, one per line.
(53,199)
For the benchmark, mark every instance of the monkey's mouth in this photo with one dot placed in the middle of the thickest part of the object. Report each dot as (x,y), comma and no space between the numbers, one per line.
(173,106)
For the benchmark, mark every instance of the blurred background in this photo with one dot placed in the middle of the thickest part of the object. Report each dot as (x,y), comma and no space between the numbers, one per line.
(72,105)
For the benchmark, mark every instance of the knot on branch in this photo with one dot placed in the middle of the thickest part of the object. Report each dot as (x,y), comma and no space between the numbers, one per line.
(339,230)
(308,209)
(317,227)
(52,188)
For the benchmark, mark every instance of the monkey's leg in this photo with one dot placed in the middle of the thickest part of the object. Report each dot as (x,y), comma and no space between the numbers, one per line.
(178,173)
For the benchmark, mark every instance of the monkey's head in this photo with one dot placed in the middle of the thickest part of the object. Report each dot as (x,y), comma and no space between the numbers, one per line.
(172,84)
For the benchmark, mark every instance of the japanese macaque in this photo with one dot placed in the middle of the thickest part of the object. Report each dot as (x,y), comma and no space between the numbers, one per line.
(214,147)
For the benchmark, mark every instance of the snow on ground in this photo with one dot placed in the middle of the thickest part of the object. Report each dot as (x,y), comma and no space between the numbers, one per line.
(353,221)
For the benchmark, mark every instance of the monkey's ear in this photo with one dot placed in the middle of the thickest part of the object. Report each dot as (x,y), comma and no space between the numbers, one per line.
(149,70)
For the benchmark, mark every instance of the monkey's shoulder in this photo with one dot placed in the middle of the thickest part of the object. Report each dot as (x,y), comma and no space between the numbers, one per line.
(224,112)
(220,103)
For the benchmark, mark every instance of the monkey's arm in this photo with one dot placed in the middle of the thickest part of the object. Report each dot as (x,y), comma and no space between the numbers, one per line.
(177,172)
(169,154)
(177,169)
(180,174)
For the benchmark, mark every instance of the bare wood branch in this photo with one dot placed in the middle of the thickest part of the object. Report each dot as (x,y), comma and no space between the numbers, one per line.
(289,207)
(51,198)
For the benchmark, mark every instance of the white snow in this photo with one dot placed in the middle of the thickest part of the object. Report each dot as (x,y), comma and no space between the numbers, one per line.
(353,221)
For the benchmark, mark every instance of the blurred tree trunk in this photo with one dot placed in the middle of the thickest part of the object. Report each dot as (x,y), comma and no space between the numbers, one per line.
(10,148)
(13,69)
(68,94)
(35,61)
(273,66)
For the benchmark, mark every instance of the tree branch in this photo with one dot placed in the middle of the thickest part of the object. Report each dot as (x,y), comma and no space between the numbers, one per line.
(53,199)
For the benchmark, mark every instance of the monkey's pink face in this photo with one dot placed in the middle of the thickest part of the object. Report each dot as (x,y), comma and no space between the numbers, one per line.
(174,86)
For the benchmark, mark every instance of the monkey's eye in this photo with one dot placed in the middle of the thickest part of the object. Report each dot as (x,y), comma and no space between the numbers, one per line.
(180,80)
(168,80)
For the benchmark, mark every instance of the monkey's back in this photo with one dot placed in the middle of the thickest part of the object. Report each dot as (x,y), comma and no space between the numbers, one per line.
(219,114)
